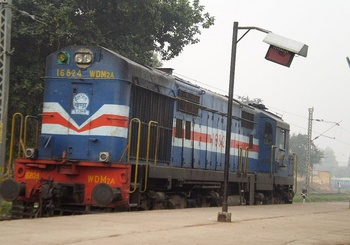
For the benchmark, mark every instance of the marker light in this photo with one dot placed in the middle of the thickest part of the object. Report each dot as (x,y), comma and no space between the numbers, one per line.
(63,58)
(84,58)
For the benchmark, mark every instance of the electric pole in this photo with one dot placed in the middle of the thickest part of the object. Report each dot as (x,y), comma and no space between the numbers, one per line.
(308,152)
(5,43)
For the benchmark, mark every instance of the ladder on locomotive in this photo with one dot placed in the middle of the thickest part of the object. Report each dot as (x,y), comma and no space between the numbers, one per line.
(140,183)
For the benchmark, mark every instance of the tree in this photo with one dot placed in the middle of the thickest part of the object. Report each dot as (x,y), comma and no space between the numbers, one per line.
(247,100)
(298,145)
(329,161)
(137,29)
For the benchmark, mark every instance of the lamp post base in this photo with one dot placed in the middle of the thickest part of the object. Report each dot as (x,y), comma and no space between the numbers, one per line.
(224,217)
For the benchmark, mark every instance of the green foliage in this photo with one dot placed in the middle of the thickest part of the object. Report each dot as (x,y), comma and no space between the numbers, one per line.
(247,100)
(138,29)
(329,162)
(298,145)
(135,28)
(5,210)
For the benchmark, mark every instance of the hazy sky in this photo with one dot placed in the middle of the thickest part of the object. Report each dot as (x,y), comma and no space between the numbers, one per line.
(321,81)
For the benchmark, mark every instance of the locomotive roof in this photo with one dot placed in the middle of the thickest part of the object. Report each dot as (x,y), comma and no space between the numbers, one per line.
(252,106)
(164,77)
(146,72)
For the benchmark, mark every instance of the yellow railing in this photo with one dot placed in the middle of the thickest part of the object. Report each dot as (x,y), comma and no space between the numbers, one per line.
(20,141)
(2,170)
(138,145)
(148,150)
(243,162)
(138,121)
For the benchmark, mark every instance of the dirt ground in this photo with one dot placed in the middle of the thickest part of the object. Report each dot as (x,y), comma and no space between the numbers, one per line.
(310,223)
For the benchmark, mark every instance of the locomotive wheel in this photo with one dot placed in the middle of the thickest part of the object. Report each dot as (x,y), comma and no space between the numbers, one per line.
(177,202)
(202,201)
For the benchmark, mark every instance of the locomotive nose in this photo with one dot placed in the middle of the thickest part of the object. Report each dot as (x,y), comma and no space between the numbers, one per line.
(10,190)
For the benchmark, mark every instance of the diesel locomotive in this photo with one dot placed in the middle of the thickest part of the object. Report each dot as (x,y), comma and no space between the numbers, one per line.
(117,135)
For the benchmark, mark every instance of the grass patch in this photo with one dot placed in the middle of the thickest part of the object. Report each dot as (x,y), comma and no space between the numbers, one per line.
(5,210)
(331,197)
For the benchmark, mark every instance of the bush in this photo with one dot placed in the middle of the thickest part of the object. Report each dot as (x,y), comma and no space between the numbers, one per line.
(5,210)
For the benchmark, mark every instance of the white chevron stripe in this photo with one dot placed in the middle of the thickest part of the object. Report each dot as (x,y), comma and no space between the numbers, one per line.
(100,131)
(118,110)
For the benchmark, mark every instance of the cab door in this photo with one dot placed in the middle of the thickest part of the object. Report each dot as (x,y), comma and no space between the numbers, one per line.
(284,167)
(187,145)
(267,144)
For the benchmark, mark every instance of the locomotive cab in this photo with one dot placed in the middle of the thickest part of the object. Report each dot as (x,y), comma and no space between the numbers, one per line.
(275,164)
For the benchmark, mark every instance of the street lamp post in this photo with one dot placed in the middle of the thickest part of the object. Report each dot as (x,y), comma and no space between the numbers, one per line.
(281,51)
(229,114)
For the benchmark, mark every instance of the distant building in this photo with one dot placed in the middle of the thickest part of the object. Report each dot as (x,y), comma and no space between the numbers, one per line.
(322,178)
(342,183)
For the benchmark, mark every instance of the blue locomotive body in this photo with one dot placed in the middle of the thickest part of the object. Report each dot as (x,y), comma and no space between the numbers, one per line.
(103,112)
(85,111)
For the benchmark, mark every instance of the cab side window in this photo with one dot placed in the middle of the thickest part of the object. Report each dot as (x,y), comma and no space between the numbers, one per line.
(268,134)
(282,141)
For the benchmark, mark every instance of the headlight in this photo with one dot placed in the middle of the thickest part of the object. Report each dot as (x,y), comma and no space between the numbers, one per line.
(83,58)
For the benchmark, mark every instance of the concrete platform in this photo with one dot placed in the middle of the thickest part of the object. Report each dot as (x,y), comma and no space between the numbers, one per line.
(311,223)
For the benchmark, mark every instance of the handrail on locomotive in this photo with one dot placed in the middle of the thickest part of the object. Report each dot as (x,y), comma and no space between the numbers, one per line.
(272,160)
(22,139)
(148,150)
(20,143)
(138,145)
(138,121)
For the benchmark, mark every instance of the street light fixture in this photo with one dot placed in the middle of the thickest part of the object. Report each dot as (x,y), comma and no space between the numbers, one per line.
(281,51)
